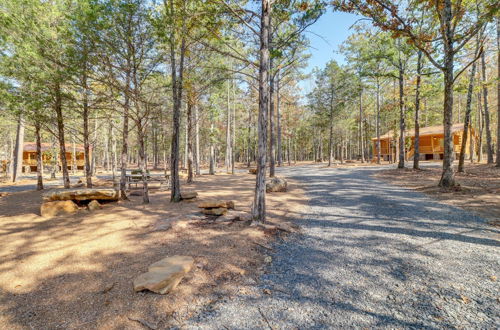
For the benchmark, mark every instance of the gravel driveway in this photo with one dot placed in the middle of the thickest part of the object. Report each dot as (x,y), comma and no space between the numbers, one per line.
(370,255)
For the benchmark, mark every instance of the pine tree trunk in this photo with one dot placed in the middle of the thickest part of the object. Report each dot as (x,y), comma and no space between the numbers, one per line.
(18,150)
(211,169)
(227,159)
(94,148)
(73,155)
(125,132)
(489,147)
(361,126)
(288,148)
(468,110)
(177,88)
(448,175)
(272,159)
(189,145)
(498,91)
(114,157)
(416,146)
(249,137)
(143,162)
(278,121)
(480,124)
(197,141)
(259,204)
(60,130)
(39,161)
(402,124)
(330,138)
(233,138)
(378,122)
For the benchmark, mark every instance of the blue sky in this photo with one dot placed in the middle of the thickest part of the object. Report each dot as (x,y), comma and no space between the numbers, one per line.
(326,35)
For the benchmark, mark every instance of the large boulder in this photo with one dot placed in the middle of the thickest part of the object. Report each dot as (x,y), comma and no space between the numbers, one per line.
(215,211)
(50,209)
(189,194)
(216,204)
(276,185)
(81,194)
(164,276)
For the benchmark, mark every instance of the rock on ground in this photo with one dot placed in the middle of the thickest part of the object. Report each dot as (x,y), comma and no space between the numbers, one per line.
(189,194)
(214,211)
(276,185)
(164,275)
(50,209)
(216,204)
(94,205)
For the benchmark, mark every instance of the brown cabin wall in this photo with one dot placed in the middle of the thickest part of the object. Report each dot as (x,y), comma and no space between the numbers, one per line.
(432,144)
(29,159)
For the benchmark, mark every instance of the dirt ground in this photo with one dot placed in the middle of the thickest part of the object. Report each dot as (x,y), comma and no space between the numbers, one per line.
(478,190)
(76,271)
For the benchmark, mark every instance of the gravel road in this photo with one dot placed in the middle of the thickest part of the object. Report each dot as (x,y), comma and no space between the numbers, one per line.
(370,255)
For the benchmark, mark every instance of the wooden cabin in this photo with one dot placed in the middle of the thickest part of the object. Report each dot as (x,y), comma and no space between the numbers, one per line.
(48,149)
(431,146)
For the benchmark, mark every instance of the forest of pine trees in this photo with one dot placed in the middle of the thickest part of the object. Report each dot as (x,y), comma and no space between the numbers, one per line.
(188,84)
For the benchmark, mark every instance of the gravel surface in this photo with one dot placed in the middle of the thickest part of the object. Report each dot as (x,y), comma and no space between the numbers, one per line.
(370,255)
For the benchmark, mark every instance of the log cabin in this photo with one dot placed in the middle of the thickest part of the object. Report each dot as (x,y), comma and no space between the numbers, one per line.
(431,146)
(48,149)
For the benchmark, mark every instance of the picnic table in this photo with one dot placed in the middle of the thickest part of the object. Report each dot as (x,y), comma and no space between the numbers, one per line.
(135,177)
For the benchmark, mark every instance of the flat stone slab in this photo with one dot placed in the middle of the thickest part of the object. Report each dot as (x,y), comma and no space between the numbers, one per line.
(81,194)
(163,276)
(216,204)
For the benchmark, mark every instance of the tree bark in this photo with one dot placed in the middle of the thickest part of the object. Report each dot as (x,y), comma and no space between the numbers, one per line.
(190,142)
(143,162)
(249,137)
(378,121)
(468,110)
(93,165)
(416,146)
(402,123)
(259,204)
(278,121)
(330,138)
(448,175)
(60,130)
(489,147)
(197,142)
(18,150)
(227,159)
(39,161)
(177,88)
(480,124)
(86,133)
(233,139)
(272,159)
(498,91)
(361,126)
(125,133)
(211,169)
